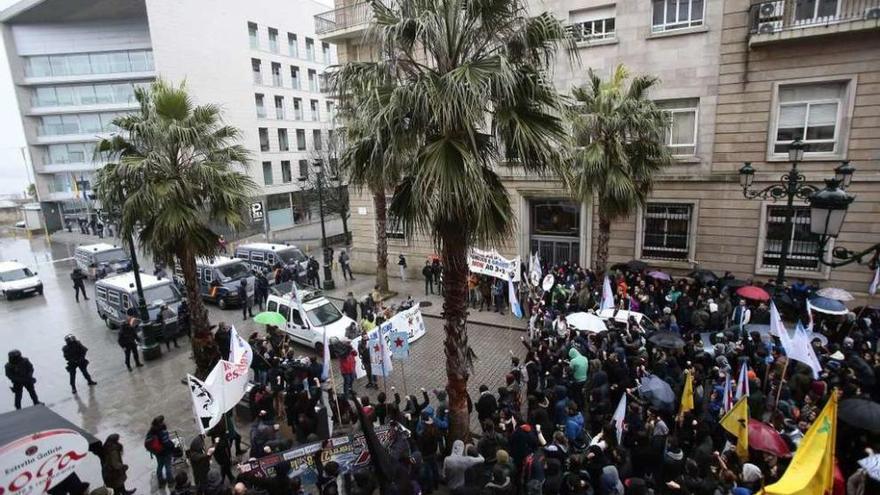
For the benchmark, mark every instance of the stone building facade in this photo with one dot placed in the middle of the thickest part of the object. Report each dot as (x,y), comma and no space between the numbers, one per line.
(729,82)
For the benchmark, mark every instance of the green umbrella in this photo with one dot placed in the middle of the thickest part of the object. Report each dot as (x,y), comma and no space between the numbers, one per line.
(270,318)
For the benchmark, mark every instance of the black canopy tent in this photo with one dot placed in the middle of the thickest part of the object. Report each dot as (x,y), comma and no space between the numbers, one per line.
(32,421)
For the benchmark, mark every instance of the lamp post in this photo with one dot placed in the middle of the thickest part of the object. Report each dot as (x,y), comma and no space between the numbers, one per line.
(790,186)
(828,209)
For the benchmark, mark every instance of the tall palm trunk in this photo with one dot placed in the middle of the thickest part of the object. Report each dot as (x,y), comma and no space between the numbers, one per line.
(602,245)
(379,203)
(205,351)
(458,353)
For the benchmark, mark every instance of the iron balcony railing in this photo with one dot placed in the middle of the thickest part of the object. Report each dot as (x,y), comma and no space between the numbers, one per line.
(774,16)
(343,18)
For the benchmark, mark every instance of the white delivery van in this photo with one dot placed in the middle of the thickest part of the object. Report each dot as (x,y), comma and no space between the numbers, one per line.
(309,314)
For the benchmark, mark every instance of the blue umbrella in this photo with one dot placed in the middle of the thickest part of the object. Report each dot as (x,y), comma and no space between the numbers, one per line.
(828,306)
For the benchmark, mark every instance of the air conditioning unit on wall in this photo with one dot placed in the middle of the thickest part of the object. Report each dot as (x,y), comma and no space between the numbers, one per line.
(771,10)
(769,27)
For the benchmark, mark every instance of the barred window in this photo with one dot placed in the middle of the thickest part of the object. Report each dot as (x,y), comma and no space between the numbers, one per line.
(666,229)
(804,246)
(393,224)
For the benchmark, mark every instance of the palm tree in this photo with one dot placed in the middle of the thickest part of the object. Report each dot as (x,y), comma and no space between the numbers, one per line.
(172,180)
(459,86)
(619,138)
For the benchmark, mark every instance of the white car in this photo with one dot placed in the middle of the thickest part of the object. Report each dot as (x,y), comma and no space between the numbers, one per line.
(621,316)
(309,315)
(17,280)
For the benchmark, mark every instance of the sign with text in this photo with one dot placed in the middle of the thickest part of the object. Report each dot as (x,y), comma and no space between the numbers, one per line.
(493,264)
(257,211)
(37,462)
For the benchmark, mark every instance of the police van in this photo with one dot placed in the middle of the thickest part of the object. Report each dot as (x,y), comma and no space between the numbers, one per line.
(309,314)
(263,256)
(115,295)
(219,279)
(101,260)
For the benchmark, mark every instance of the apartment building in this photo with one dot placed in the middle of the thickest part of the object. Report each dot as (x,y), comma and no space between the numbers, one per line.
(75,64)
(724,79)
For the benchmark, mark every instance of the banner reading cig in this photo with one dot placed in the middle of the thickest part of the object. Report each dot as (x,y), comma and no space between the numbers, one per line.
(493,264)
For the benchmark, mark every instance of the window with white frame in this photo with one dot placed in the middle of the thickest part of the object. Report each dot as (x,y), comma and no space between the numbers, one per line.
(666,231)
(593,24)
(811,113)
(393,224)
(677,14)
(803,245)
(681,135)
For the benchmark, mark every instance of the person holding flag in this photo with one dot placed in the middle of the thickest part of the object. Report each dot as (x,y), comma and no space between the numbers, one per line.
(736,422)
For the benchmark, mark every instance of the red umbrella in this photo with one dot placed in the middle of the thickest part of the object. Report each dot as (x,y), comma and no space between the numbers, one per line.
(754,293)
(764,438)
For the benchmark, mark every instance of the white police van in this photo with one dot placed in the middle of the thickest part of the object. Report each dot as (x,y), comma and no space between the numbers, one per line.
(114,297)
(264,256)
(309,314)
(100,260)
(17,280)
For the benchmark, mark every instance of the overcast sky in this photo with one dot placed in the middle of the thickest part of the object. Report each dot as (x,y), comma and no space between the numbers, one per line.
(13,173)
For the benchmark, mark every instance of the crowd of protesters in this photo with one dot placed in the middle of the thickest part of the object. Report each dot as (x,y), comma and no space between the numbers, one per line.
(550,428)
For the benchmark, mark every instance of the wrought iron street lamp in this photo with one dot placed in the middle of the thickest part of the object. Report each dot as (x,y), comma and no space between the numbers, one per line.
(828,209)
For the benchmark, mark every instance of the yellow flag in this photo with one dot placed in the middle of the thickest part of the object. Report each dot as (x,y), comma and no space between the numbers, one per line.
(687,395)
(736,421)
(811,471)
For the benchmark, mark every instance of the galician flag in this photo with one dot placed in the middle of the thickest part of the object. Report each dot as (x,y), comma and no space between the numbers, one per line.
(514,302)
(325,371)
(742,384)
(607,295)
(811,471)
(619,416)
(872,289)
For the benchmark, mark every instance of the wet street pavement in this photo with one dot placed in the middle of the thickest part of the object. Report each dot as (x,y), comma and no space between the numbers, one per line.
(125,402)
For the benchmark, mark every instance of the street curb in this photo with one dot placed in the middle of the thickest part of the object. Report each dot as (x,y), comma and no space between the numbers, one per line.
(438,317)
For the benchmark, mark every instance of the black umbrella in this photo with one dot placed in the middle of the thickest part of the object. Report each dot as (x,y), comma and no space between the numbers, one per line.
(656,391)
(733,283)
(703,276)
(667,340)
(636,265)
(862,414)
(619,267)
(862,369)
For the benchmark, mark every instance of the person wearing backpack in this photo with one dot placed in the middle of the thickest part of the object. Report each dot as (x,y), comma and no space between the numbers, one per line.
(158,443)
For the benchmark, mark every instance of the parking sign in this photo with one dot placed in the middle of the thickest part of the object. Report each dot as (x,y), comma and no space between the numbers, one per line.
(257,211)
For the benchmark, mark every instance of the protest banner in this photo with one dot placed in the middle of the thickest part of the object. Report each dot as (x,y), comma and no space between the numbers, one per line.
(350,452)
(494,265)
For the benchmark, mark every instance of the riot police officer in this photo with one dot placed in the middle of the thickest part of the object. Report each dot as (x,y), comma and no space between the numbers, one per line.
(75,354)
(20,372)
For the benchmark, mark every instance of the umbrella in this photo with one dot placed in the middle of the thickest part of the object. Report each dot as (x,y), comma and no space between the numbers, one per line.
(733,283)
(270,318)
(658,275)
(828,306)
(871,465)
(586,322)
(835,293)
(861,413)
(864,372)
(764,438)
(657,392)
(636,265)
(703,276)
(668,340)
(754,293)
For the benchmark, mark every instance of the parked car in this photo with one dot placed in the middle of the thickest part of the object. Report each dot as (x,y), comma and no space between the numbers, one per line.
(309,314)
(17,280)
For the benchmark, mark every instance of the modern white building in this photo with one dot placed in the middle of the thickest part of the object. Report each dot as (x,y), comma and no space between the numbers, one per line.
(75,64)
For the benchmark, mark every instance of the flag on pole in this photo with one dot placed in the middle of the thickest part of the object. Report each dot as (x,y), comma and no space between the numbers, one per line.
(727,400)
(800,349)
(687,395)
(777,328)
(811,471)
(535,265)
(742,385)
(872,289)
(607,295)
(736,421)
(206,406)
(619,416)
(242,354)
(325,370)
(515,307)
(400,345)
